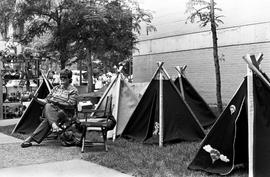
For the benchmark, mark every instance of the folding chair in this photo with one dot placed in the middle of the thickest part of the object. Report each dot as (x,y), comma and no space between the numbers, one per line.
(98,121)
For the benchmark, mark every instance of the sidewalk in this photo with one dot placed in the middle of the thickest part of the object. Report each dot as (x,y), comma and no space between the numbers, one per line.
(46,160)
(6,122)
(71,168)
(5,139)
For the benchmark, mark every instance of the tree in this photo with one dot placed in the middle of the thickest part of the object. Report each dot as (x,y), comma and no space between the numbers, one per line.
(6,16)
(106,31)
(7,11)
(98,29)
(205,12)
(41,16)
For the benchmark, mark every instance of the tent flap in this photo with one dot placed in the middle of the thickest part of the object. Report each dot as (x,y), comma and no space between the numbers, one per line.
(200,108)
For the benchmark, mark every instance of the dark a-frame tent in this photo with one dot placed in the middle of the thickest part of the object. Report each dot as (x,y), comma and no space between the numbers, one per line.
(228,135)
(162,116)
(240,136)
(30,119)
(199,107)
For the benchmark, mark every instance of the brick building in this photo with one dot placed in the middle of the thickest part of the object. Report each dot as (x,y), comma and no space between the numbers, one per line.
(246,29)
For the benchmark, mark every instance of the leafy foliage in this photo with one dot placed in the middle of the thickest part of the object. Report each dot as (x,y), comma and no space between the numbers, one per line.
(200,9)
(85,29)
(7,12)
(103,27)
(41,16)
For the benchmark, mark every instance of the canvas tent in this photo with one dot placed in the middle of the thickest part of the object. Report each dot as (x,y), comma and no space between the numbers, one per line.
(199,107)
(30,119)
(161,115)
(124,101)
(138,88)
(230,142)
(228,135)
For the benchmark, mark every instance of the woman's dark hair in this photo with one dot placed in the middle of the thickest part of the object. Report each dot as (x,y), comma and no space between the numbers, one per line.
(66,73)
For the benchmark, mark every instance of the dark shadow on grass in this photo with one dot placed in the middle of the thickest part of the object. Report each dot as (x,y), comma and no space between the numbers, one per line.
(96,148)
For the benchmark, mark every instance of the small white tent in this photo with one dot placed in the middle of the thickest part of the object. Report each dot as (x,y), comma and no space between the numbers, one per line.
(124,101)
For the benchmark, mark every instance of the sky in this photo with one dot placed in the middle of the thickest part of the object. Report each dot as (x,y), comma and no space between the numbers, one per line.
(176,4)
(170,16)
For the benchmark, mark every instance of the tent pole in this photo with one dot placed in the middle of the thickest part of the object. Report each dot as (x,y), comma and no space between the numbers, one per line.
(160,64)
(250,103)
(117,106)
(178,69)
(160,108)
(259,58)
(168,76)
(253,68)
(46,81)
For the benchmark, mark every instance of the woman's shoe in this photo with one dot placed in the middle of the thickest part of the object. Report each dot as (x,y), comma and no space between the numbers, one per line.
(26,144)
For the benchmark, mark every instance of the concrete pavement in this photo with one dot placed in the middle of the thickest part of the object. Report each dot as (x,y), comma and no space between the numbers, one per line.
(71,168)
(65,168)
(6,122)
(5,139)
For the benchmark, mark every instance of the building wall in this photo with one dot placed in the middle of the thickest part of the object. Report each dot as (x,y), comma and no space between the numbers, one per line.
(200,67)
(246,29)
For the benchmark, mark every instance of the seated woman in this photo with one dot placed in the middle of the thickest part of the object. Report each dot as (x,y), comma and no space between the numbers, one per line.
(56,106)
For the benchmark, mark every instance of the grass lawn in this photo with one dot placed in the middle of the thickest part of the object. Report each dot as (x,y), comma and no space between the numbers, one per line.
(145,160)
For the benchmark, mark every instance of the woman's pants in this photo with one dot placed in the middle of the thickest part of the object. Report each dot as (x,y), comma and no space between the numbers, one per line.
(52,115)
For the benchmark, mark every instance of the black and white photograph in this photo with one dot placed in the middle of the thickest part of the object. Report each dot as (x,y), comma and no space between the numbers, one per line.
(134,88)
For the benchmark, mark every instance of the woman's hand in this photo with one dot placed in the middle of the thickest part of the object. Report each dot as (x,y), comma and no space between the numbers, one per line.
(55,127)
(54,103)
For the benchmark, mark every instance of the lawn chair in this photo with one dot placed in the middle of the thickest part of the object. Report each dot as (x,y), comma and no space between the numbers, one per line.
(96,120)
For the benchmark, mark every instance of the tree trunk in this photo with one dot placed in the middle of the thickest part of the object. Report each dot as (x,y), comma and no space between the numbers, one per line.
(216,60)
(89,58)
(80,62)
(5,29)
(63,59)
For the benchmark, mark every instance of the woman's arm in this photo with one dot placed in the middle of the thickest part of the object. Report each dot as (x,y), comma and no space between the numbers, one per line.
(39,100)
